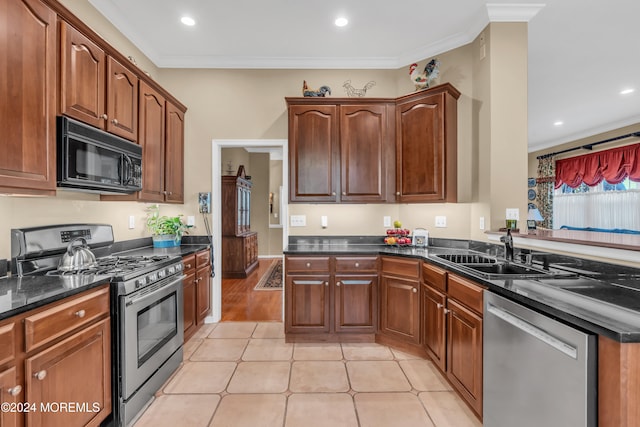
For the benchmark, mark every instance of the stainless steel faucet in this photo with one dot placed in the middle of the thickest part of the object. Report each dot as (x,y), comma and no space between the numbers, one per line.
(508,245)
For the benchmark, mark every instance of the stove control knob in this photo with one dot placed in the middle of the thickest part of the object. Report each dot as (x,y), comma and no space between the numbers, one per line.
(141,282)
(153,277)
(178,267)
(172,270)
(162,274)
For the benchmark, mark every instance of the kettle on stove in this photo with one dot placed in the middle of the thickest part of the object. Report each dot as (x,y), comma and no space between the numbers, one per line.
(77,257)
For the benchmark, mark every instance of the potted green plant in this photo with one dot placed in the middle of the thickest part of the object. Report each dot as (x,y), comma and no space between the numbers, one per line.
(166,231)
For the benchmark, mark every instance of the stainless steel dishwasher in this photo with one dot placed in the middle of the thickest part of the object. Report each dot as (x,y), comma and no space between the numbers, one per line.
(537,371)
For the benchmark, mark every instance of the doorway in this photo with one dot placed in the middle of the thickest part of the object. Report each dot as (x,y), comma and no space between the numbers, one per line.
(217,172)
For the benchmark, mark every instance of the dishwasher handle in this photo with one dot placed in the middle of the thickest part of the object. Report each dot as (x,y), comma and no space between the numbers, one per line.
(534,331)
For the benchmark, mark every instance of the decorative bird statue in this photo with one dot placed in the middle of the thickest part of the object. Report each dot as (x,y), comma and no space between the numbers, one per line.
(353,92)
(320,92)
(422,80)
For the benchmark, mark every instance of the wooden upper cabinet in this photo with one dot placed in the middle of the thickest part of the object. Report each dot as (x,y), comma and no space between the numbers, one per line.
(313,153)
(122,100)
(174,155)
(28,94)
(95,88)
(364,143)
(151,136)
(82,67)
(426,146)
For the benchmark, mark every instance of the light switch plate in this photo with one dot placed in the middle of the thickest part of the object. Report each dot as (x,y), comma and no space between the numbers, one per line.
(132,222)
(513,213)
(191,220)
(298,220)
(386,221)
(441,221)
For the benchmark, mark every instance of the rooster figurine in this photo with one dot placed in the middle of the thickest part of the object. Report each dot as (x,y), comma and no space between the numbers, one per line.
(353,92)
(320,92)
(422,80)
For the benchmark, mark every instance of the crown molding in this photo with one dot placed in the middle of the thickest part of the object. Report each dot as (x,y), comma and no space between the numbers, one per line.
(513,12)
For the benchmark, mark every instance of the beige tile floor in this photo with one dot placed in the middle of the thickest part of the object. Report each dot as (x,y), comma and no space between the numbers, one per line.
(238,374)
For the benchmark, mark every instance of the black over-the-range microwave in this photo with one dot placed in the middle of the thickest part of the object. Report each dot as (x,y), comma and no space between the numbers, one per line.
(93,160)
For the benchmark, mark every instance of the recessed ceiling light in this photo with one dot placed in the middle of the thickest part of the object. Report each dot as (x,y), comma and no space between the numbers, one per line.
(341,22)
(627,91)
(186,20)
(558,123)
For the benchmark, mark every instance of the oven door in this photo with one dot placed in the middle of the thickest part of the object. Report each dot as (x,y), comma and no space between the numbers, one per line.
(152,322)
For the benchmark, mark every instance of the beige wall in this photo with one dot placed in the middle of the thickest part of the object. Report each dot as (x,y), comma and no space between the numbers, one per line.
(249,104)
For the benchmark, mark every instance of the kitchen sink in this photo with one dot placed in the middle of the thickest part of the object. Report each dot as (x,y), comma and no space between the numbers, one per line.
(492,268)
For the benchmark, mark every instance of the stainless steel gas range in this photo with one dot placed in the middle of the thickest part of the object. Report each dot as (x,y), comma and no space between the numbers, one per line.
(146,304)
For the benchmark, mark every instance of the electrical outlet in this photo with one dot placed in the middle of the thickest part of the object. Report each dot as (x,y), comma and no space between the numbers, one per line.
(191,220)
(441,221)
(204,202)
(481,223)
(298,220)
(132,222)
(324,221)
(512,213)
(386,221)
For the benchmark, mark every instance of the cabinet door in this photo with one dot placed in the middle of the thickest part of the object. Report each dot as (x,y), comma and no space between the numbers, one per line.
(28,92)
(433,325)
(151,137)
(364,142)
(313,153)
(174,155)
(464,353)
(400,308)
(307,303)
(122,100)
(190,304)
(355,303)
(10,392)
(83,86)
(203,284)
(78,369)
(420,150)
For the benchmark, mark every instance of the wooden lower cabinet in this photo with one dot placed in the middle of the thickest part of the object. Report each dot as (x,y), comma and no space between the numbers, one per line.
(196,291)
(60,375)
(331,298)
(56,361)
(240,255)
(400,299)
(452,330)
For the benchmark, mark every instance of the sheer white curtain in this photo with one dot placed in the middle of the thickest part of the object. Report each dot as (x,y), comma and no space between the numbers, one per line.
(608,209)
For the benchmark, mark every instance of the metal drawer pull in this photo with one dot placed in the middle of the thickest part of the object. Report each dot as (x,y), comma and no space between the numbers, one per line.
(40,375)
(114,121)
(14,391)
(104,117)
(447,311)
(308,264)
(357,264)
(187,266)
(414,290)
(337,283)
(326,283)
(80,313)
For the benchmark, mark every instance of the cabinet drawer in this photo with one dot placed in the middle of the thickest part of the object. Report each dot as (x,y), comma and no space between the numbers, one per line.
(7,343)
(356,264)
(189,262)
(203,258)
(434,276)
(466,292)
(307,264)
(401,267)
(75,312)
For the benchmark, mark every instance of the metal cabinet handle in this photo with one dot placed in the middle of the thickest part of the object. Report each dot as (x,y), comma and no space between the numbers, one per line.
(414,290)
(14,391)
(357,264)
(104,117)
(397,193)
(338,284)
(326,283)
(80,313)
(40,375)
(114,121)
(308,265)
(439,305)
(447,311)
(333,193)
(187,266)
(344,193)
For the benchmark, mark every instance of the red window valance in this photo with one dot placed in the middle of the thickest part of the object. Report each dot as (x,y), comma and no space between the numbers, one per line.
(612,165)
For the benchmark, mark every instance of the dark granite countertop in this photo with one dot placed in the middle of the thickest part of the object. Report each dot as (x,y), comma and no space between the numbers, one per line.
(21,294)
(600,298)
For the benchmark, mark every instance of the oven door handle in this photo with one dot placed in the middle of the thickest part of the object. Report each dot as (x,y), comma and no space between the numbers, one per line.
(140,296)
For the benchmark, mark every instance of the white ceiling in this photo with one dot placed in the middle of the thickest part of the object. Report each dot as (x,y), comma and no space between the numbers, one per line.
(582,53)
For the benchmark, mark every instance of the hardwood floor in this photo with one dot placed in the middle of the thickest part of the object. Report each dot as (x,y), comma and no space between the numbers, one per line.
(240,302)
